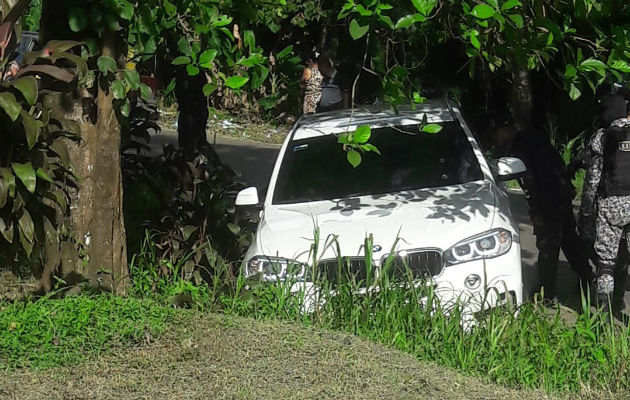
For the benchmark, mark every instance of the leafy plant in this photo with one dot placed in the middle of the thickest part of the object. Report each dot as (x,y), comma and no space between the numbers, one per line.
(186,206)
(35,169)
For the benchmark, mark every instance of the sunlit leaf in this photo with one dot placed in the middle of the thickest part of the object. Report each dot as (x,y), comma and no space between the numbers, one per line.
(26,174)
(27,85)
(181,60)
(432,128)
(10,105)
(362,134)
(518,21)
(483,11)
(236,82)
(510,4)
(207,57)
(357,31)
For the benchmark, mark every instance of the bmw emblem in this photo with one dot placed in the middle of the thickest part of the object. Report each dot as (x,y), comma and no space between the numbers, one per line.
(376,248)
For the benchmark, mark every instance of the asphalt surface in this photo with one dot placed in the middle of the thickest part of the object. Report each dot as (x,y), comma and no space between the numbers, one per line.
(254,161)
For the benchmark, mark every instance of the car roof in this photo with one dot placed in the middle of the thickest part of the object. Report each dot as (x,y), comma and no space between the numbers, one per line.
(381,115)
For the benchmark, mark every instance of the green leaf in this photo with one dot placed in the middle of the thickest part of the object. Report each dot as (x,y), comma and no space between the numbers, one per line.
(27,85)
(362,10)
(31,128)
(249,40)
(518,21)
(357,31)
(284,52)
(387,21)
(483,11)
(26,174)
(510,4)
(574,92)
(170,8)
(592,64)
(362,134)
(370,147)
(570,71)
(77,19)
(207,57)
(41,174)
(132,78)
(181,60)
(8,183)
(474,40)
(187,231)
(26,225)
(125,10)
(183,46)
(620,65)
(61,150)
(354,158)
(125,109)
(192,70)
(26,245)
(432,128)
(10,105)
(235,229)
(236,82)
(145,92)
(6,228)
(170,87)
(106,64)
(118,88)
(208,89)
(405,22)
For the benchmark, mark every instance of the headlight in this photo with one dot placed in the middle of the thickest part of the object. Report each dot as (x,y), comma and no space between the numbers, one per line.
(273,269)
(490,244)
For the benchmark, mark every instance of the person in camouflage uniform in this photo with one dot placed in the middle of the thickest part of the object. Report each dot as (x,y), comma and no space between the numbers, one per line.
(605,209)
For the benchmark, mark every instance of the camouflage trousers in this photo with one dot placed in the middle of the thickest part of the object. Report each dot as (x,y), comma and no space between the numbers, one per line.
(613,222)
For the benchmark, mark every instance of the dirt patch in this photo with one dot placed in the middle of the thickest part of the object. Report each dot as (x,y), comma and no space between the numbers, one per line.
(219,357)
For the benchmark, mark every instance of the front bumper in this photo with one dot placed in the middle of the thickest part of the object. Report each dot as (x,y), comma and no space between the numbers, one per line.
(499,283)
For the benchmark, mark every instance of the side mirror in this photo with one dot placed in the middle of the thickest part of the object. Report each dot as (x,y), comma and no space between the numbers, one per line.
(247,197)
(510,168)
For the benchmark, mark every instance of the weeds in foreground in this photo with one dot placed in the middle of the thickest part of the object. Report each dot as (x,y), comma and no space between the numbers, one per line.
(525,347)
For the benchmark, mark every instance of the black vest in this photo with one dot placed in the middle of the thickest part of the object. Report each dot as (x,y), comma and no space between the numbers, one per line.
(616,172)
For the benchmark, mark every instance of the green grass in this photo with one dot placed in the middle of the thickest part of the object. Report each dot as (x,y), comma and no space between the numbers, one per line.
(47,332)
(529,347)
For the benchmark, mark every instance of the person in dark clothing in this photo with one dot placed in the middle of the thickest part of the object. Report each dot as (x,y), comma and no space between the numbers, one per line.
(336,87)
(549,193)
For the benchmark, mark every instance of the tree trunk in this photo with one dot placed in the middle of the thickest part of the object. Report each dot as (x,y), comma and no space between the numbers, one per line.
(96,219)
(193,111)
(522,98)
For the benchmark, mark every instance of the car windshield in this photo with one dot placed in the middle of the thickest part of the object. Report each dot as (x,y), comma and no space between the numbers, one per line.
(317,169)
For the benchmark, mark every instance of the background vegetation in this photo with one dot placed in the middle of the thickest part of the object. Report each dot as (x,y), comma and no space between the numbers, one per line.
(80,208)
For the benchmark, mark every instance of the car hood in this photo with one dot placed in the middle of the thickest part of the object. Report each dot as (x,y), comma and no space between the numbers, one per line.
(428,218)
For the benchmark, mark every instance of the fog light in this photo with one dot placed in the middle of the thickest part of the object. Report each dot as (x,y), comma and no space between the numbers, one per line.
(472,281)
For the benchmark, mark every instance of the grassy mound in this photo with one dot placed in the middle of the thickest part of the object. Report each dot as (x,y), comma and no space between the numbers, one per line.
(215,356)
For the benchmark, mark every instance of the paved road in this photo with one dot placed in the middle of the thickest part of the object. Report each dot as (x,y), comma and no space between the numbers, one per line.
(254,161)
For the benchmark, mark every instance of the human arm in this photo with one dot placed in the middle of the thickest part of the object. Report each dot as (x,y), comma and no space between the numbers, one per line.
(588,208)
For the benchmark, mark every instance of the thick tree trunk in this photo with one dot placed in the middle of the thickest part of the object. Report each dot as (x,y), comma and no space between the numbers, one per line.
(96,221)
(193,111)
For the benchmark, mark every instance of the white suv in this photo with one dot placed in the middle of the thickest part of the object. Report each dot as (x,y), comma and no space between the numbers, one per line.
(430,199)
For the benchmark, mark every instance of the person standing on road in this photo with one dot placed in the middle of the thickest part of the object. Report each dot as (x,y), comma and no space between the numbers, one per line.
(608,188)
(549,193)
(311,83)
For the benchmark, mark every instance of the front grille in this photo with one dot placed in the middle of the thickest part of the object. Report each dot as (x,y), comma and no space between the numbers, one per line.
(415,264)
(348,269)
